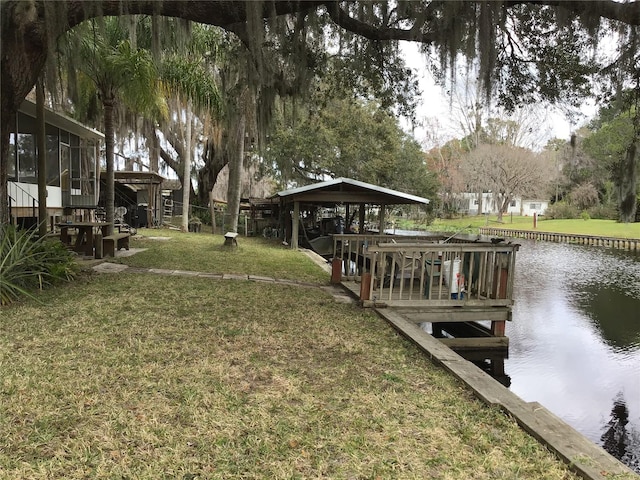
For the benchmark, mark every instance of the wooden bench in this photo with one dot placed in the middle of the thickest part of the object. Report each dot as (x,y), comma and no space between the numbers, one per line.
(114,242)
(230,239)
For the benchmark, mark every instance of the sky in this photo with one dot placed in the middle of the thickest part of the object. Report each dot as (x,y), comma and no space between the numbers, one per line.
(435,104)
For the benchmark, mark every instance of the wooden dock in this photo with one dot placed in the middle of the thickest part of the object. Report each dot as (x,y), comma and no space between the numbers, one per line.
(429,281)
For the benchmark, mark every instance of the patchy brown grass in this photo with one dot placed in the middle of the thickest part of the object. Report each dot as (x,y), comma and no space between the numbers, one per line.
(151,376)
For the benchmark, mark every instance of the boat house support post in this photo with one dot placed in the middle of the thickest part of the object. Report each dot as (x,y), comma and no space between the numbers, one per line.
(295,227)
(347,218)
(361,218)
(382,217)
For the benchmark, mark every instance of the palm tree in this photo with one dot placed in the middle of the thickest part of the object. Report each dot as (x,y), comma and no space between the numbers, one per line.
(119,74)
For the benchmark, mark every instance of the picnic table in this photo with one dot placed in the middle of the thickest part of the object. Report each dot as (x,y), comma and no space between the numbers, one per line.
(85,240)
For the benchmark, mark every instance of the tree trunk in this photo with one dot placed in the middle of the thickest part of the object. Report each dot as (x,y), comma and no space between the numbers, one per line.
(154,148)
(5,128)
(176,166)
(503,204)
(480,206)
(23,50)
(215,158)
(42,157)
(109,134)
(186,184)
(235,169)
(628,183)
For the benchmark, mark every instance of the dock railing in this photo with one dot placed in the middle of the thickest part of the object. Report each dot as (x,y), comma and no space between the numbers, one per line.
(351,248)
(441,275)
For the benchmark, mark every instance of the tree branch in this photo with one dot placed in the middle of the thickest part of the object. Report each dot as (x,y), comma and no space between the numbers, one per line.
(628,13)
(342,19)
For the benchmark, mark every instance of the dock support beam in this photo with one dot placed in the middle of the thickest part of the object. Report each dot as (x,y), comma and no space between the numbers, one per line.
(382,218)
(498,328)
(295,225)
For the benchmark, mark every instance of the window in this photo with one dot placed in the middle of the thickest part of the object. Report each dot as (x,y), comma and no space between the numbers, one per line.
(11,168)
(513,203)
(534,206)
(75,163)
(65,166)
(87,166)
(26,149)
(53,156)
(475,202)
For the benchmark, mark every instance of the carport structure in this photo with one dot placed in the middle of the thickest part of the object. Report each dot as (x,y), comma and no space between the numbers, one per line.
(340,191)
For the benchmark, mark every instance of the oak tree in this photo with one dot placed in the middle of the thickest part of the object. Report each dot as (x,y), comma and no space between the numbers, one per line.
(528,50)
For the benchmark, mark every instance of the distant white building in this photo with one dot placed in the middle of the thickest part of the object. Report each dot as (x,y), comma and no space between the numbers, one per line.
(468,203)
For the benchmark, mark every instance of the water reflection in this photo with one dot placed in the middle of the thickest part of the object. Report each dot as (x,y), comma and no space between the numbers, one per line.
(617,440)
(575,337)
(614,312)
(489,361)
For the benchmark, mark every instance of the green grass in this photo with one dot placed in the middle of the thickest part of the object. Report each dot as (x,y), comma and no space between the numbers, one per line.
(204,252)
(604,228)
(148,376)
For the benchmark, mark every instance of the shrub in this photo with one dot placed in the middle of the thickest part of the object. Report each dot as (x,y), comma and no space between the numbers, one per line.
(585,215)
(584,196)
(28,263)
(561,210)
(604,212)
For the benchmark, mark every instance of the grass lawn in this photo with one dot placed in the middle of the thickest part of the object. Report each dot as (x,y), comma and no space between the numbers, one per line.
(204,252)
(146,376)
(603,228)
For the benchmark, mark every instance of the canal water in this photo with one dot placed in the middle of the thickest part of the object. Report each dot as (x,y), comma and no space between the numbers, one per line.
(575,340)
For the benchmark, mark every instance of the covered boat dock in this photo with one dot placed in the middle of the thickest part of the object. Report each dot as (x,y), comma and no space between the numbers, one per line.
(340,191)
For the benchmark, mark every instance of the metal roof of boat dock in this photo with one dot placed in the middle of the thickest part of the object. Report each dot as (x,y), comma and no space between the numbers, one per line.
(347,190)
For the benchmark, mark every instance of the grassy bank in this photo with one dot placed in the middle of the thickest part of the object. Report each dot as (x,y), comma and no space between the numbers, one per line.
(146,376)
(603,228)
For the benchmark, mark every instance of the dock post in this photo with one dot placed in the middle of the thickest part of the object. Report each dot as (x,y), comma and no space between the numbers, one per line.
(99,251)
(497,328)
(336,270)
(365,286)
